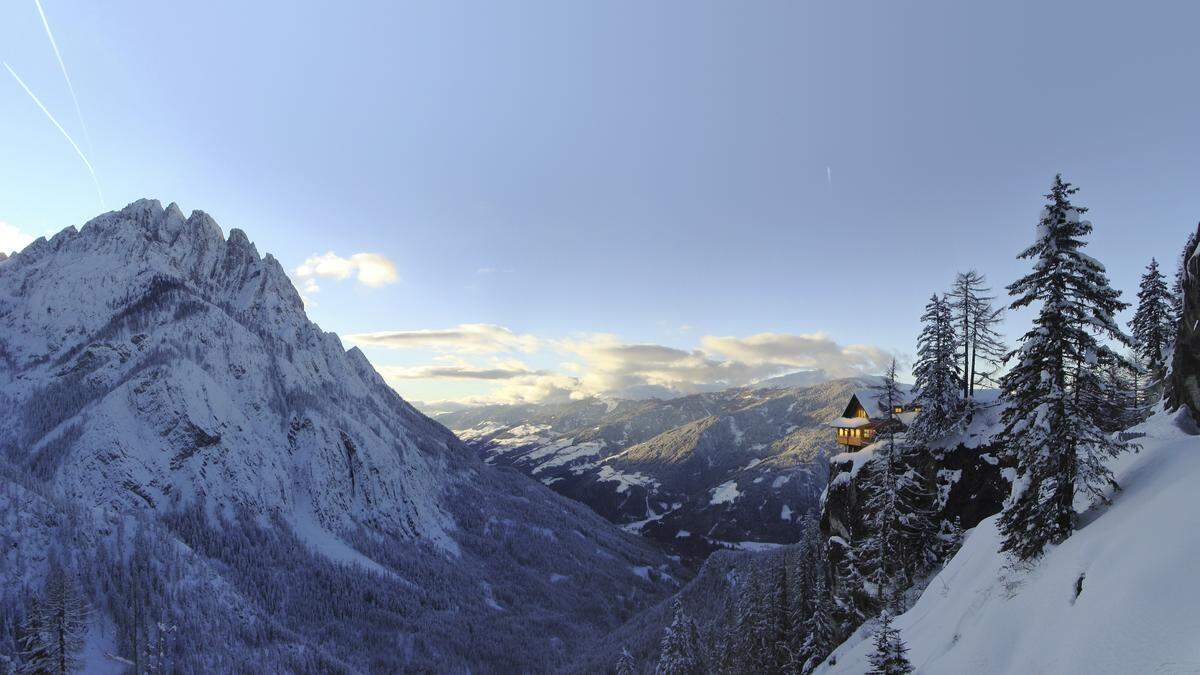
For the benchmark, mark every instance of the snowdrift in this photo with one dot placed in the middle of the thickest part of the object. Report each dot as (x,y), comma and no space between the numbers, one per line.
(1119,596)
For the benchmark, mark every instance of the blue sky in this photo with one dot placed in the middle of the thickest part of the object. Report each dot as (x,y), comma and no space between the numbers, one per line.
(561,198)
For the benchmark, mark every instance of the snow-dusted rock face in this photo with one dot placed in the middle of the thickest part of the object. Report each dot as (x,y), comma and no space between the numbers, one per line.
(966,472)
(151,362)
(159,377)
(1184,386)
(969,478)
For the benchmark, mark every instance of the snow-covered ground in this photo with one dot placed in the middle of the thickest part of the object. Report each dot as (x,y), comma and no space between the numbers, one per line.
(1119,596)
(725,493)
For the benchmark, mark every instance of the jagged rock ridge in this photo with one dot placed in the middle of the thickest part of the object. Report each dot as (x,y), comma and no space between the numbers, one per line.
(154,366)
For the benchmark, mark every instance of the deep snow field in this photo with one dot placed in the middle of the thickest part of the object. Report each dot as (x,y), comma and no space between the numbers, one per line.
(1122,595)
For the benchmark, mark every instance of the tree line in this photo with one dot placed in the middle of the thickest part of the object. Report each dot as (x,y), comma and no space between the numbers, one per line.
(1072,382)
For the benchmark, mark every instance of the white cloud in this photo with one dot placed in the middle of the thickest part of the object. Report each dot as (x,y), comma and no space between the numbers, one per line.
(813,351)
(469,338)
(371,269)
(604,365)
(459,371)
(614,368)
(12,239)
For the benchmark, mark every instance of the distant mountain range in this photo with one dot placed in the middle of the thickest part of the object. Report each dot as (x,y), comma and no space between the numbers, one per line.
(738,467)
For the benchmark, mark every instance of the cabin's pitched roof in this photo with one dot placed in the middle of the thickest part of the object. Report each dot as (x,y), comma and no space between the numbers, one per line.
(851,422)
(869,400)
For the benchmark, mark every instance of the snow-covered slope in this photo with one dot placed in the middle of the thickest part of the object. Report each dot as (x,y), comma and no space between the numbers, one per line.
(149,364)
(1118,596)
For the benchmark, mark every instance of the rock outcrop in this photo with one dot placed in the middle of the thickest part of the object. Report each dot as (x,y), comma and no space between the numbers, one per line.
(966,472)
(969,481)
(1183,384)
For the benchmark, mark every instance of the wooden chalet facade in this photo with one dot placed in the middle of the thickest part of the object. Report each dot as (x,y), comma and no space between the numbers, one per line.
(856,428)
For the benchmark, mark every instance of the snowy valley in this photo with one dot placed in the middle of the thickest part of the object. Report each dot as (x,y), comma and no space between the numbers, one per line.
(740,467)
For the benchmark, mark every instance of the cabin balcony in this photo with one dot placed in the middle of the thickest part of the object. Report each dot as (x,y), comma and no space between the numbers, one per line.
(855,438)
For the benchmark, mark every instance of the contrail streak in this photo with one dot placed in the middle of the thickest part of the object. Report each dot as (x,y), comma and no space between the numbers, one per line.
(829,176)
(61,130)
(63,66)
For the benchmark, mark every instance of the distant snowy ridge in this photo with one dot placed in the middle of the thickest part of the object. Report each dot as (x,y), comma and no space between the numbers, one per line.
(743,464)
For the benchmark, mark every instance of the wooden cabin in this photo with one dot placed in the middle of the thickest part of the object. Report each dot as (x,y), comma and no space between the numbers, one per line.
(856,428)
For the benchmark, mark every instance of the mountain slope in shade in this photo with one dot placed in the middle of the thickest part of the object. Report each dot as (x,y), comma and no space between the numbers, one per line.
(154,366)
(1118,596)
(740,465)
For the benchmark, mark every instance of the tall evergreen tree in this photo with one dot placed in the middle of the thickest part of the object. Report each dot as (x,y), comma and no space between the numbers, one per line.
(681,648)
(888,397)
(754,637)
(727,659)
(975,321)
(1153,327)
(821,626)
(781,619)
(1117,400)
(57,626)
(1058,440)
(33,641)
(889,655)
(901,539)
(987,345)
(938,387)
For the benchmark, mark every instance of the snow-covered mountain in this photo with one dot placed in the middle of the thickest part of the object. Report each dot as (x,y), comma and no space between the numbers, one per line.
(149,364)
(1118,596)
(740,465)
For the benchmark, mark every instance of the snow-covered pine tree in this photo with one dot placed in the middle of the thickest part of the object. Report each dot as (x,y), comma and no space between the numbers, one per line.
(57,626)
(901,539)
(807,560)
(1153,328)
(1057,440)
(754,637)
(1116,401)
(821,627)
(879,551)
(626,665)
(889,655)
(938,386)
(847,584)
(681,648)
(34,654)
(727,660)
(781,618)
